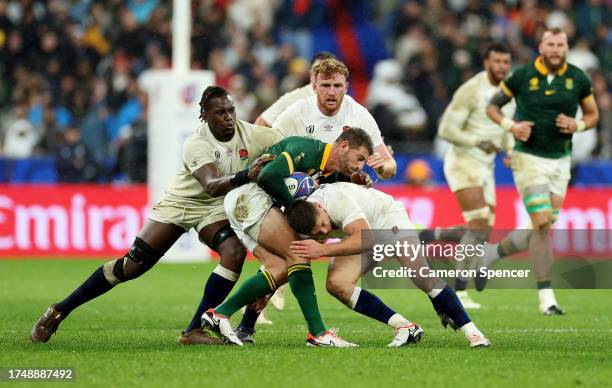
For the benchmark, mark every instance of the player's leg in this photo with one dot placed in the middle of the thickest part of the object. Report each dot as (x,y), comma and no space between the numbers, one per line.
(276,235)
(443,299)
(152,242)
(342,277)
(261,284)
(220,237)
(476,213)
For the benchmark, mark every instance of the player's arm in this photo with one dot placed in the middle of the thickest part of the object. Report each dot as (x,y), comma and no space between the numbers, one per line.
(272,178)
(381,160)
(351,245)
(521,130)
(217,185)
(262,122)
(455,116)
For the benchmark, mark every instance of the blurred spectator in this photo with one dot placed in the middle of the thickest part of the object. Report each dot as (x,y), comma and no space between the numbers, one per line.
(75,163)
(397,112)
(76,62)
(19,136)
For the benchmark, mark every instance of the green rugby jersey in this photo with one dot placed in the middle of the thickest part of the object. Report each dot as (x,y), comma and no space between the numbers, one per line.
(541,102)
(295,153)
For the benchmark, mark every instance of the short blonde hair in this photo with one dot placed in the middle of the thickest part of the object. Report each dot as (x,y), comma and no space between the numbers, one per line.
(330,67)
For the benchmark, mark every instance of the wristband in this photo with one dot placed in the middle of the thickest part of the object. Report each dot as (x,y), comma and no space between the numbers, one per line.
(580,125)
(507,124)
(240,178)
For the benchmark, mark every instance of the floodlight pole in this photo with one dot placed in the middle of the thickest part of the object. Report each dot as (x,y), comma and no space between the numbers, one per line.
(181,35)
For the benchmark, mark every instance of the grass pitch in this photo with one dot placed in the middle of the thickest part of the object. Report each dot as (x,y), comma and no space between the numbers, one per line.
(128,337)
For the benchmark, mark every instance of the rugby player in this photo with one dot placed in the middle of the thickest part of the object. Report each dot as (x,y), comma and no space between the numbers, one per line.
(469,162)
(265,232)
(219,156)
(324,116)
(548,93)
(286,100)
(357,209)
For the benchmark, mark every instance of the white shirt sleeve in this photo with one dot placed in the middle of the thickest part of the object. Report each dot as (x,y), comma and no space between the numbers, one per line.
(291,121)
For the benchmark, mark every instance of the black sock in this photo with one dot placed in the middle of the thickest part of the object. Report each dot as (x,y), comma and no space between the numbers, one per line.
(460,284)
(371,306)
(216,290)
(249,318)
(91,288)
(448,303)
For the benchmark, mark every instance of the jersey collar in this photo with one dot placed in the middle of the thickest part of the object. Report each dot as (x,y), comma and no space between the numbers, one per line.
(325,156)
(542,69)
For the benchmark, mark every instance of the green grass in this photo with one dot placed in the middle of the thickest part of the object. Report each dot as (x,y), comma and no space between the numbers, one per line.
(128,337)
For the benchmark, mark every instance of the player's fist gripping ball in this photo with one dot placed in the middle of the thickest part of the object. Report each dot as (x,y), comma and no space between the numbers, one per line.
(300,185)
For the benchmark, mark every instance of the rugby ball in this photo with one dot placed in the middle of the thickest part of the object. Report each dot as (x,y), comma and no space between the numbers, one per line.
(300,185)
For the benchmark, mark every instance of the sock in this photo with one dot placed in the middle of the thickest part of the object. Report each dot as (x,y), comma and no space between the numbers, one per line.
(544,284)
(249,318)
(547,298)
(217,288)
(91,288)
(469,329)
(460,284)
(397,320)
(370,305)
(446,301)
(261,284)
(302,286)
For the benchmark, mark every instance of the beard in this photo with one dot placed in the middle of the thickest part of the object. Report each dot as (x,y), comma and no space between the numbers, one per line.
(554,67)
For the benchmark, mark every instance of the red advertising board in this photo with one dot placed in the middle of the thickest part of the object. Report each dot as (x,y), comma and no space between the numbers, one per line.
(92,220)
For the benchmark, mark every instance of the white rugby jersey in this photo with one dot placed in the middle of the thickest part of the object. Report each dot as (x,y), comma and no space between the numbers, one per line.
(285,101)
(346,202)
(202,148)
(465,122)
(304,118)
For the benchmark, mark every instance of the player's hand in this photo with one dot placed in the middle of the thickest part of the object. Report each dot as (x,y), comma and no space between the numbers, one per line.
(522,130)
(488,146)
(258,164)
(507,161)
(308,249)
(376,161)
(361,178)
(566,124)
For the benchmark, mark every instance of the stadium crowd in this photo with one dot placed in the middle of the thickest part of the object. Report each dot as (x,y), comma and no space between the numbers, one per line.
(70,68)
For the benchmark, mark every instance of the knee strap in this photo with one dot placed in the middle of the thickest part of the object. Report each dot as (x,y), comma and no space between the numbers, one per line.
(139,259)
(222,234)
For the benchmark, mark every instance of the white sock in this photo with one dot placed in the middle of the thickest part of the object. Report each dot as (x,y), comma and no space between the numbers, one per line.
(226,273)
(352,302)
(396,321)
(469,329)
(547,298)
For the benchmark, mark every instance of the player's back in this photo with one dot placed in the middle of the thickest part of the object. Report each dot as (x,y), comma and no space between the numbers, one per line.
(344,200)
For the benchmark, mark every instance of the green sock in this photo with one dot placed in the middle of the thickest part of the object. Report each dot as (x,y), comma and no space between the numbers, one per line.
(302,286)
(253,288)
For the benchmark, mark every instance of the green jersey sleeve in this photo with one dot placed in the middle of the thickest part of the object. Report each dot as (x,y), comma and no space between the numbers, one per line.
(512,84)
(272,178)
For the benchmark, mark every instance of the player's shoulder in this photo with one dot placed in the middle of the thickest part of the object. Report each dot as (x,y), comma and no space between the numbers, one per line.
(472,85)
(353,108)
(576,72)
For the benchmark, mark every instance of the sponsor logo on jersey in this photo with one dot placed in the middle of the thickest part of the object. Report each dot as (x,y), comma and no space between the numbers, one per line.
(228,152)
(534,83)
(243,153)
(310,129)
(549,92)
(298,158)
(328,127)
(217,155)
(569,83)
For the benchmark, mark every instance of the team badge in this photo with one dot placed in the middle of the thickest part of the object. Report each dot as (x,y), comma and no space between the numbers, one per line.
(310,129)
(569,83)
(243,153)
(534,83)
